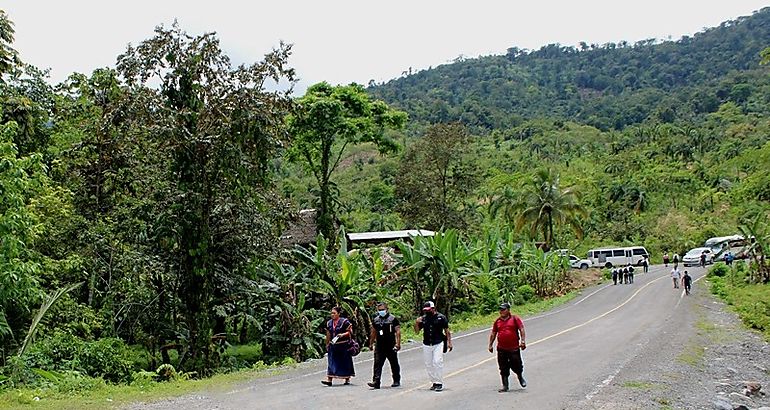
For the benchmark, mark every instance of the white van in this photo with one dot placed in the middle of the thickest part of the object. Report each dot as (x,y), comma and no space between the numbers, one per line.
(621,256)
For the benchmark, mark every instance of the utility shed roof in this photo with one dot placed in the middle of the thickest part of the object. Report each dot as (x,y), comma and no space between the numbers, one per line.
(386,236)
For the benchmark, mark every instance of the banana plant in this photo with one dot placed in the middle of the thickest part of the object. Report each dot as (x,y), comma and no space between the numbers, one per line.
(409,271)
(448,270)
(291,327)
(545,272)
(757,233)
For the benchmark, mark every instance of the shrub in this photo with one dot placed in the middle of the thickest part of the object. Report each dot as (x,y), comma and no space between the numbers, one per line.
(108,358)
(245,355)
(719,270)
(527,292)
(166,372)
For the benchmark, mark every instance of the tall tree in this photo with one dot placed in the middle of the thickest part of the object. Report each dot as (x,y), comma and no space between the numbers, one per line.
(328,121)
(22,181)
(218,130)
(436,179)
(543,203)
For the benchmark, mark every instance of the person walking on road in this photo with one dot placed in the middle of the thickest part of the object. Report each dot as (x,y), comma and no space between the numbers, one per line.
(625,274)
(340,361)
(614,276)
(676,260)
(435,335)
(665,259)
(508,329)
(630,273)
(676,277)
(702,259)
(385,335)
(687,282)
(646,263)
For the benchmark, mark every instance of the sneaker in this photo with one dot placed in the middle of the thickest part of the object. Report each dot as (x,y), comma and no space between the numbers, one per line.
(326,382)
(434,386)
(396,384)
(373,385)
(439,387)
(522,382)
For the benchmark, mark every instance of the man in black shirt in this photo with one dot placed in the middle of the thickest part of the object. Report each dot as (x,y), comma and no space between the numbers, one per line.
(687,282)
(386,331)
(435,327)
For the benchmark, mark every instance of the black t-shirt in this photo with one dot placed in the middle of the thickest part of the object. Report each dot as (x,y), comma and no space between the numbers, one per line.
(385,328)
(687,280)
(433,329)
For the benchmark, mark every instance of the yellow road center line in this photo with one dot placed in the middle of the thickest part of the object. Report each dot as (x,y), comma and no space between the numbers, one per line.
(464,369)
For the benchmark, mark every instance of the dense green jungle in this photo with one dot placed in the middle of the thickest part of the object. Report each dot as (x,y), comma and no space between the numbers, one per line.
(142,206)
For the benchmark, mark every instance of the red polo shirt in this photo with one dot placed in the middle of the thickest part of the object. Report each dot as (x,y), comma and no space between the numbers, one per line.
(508,332)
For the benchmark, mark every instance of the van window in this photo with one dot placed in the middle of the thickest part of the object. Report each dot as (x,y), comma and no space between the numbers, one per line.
(639,251)
(619,252)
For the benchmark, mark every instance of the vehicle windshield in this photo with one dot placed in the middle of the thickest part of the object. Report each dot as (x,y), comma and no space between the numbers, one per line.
(696,251)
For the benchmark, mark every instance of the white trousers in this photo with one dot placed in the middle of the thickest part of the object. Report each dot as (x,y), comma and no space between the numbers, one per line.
(433,356)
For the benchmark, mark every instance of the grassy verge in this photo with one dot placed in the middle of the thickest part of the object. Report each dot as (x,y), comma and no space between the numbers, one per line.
(750,301)
(95,394)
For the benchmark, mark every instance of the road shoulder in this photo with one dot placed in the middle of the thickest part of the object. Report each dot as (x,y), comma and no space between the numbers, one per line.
(702,360)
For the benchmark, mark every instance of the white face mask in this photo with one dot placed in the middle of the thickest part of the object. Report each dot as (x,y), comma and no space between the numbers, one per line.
(382,313)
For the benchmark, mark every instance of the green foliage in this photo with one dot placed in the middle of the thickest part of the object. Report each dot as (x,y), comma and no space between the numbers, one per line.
(246,355)
(609,86)
(328,120)
(166,372)
(526,292)
(719,269)
(751,301)
(108,358)
(436,180)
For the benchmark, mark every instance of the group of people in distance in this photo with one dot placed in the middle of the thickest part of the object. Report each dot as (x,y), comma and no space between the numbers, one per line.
(385,340)
(623,275)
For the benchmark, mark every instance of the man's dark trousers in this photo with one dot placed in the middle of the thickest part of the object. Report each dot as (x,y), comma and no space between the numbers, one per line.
(379,360)
(509,361)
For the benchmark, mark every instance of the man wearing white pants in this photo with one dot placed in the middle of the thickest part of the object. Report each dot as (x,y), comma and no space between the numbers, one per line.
(436,340)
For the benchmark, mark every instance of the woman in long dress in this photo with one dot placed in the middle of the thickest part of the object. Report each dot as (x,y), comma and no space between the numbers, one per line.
(338,333)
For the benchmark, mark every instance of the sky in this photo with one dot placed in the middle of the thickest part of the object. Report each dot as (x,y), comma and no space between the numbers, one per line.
(350,41)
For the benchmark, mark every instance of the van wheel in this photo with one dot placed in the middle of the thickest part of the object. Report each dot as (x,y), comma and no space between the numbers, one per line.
(584,266)
(607,265)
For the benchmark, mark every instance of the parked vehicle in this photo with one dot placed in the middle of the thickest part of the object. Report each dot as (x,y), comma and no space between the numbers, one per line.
(620,256)
(692,257)
(578,263)
(719,246)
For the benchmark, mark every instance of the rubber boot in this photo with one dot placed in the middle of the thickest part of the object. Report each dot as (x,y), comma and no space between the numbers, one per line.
(505,385)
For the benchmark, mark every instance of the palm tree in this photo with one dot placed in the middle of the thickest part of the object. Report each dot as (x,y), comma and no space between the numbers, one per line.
(544,203)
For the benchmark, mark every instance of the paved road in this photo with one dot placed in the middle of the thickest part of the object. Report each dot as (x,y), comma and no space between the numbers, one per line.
(572,352)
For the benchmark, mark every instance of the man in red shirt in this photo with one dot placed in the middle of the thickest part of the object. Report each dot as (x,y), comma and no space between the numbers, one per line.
(508,329)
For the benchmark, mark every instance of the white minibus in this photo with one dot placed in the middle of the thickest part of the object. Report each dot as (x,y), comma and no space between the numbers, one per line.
(620,256)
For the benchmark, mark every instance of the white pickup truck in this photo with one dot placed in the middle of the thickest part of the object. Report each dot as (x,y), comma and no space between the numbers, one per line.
(578,263)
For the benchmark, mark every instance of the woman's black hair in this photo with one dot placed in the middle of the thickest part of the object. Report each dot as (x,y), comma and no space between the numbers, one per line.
(338,309)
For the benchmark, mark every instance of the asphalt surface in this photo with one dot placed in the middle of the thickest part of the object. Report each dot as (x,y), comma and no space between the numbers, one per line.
(572,352)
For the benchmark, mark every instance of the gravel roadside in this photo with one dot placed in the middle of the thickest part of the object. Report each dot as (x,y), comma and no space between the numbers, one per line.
(703,361)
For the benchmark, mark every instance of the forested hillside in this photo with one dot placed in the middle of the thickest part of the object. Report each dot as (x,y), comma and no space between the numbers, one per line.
(609,86)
